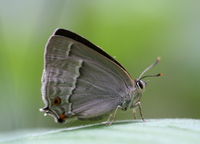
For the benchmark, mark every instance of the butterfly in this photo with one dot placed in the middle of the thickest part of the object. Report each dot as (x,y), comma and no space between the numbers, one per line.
(82,81)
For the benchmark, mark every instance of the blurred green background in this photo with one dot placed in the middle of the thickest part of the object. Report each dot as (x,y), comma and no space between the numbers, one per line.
(135,31)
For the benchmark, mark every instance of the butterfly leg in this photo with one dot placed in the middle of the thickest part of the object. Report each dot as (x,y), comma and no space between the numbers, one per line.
(138,104)
(112,117)
(134,113)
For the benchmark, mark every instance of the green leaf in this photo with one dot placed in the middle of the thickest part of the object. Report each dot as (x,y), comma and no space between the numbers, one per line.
(153,131)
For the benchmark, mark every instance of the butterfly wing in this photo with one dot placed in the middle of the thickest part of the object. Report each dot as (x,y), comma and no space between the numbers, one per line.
(80,80)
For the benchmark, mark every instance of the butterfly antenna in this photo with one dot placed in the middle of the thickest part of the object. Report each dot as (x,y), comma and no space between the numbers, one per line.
(155,63)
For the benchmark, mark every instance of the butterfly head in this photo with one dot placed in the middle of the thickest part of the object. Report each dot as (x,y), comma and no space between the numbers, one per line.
(140,85)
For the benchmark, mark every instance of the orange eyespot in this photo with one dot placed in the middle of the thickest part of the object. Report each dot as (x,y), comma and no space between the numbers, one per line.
(56,101)
(62,117)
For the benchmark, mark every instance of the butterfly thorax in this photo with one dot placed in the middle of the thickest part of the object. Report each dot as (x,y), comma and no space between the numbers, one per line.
(134,95)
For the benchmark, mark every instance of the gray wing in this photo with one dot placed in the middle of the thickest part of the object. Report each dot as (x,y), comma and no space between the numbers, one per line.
(87,83)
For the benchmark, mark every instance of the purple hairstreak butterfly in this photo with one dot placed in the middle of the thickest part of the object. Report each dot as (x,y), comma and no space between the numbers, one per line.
(82,81)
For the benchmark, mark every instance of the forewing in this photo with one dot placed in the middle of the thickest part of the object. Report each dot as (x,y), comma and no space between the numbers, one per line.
(88,83)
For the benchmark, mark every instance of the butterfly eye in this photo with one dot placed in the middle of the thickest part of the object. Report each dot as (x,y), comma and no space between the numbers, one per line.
(56,101)
(141,84)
